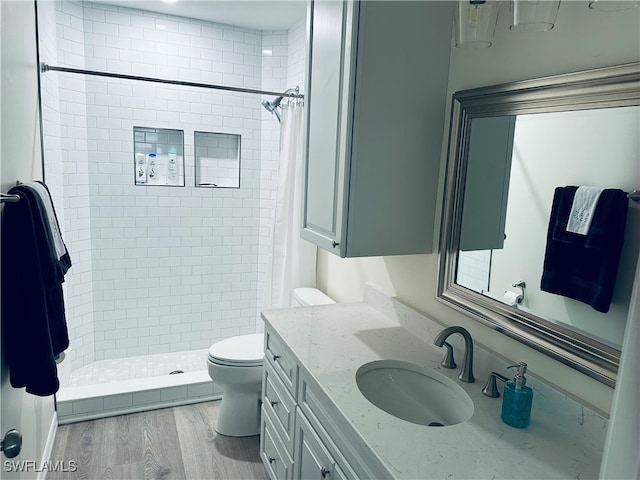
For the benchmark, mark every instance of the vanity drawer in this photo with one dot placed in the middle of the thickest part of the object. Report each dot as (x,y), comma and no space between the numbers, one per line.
(273,453)
(282,361)
(279,403)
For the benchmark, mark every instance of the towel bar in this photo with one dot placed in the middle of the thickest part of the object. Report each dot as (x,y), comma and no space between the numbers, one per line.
(9,198)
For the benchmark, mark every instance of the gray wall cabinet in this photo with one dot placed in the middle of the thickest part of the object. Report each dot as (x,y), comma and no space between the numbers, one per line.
(376,95)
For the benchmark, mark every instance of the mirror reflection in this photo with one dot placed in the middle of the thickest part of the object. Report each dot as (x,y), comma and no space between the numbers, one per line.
(514,165)
(539,240)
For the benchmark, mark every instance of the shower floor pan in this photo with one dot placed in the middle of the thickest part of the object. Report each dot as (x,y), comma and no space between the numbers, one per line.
(115,387)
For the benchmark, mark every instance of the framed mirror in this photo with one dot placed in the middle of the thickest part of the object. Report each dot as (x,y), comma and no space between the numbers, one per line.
(513,150)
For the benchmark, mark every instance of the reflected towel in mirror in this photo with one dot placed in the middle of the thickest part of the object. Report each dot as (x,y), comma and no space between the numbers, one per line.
(584,267)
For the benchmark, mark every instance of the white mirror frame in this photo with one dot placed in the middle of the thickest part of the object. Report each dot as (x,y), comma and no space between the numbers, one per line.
(617,86)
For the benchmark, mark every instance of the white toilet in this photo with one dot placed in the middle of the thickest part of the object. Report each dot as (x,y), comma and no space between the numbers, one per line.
(236,365)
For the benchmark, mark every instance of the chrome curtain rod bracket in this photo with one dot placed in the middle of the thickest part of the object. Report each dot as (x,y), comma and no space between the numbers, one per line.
(635,196)
(44,67)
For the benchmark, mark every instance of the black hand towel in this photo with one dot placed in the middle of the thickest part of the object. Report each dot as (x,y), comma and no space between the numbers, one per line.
(584,267)
(34,328)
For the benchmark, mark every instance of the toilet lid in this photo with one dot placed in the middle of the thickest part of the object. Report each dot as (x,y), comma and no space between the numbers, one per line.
(243,350)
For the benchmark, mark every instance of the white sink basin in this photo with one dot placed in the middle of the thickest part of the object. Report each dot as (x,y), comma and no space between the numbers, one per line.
(413,393)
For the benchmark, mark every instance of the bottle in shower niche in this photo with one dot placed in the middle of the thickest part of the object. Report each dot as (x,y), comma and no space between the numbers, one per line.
(172,172)
(141,169)
(517,399)
(152,168)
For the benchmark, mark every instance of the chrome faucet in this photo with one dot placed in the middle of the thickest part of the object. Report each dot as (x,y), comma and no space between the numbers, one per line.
(466,372)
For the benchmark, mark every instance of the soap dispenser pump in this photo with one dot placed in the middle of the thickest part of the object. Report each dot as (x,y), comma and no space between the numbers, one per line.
(517,399)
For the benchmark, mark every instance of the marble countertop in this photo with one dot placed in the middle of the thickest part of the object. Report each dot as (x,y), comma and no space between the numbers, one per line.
(564,439)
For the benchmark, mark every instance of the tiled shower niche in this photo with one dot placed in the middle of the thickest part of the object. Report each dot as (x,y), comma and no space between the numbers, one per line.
(217,159)
(158,156)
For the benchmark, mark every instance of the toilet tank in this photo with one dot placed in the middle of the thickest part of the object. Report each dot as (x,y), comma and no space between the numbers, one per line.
(310,296)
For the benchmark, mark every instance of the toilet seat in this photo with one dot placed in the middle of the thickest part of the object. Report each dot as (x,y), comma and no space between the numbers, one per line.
(241,351)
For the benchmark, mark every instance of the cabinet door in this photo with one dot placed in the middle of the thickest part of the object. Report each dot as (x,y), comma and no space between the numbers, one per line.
(328,121)
(487,183)
(278,402)
(312,460)
(273,453)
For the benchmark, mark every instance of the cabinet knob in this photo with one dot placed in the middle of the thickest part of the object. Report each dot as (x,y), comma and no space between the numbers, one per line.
(271,460)
(273,403)
(324,472)
(276,357)
(334,244)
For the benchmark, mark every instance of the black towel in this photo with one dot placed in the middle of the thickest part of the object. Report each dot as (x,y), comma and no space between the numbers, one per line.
(584,267)
(34,328)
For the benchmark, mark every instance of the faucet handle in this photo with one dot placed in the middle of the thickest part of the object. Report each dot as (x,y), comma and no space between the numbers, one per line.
(448,361)
(490,389)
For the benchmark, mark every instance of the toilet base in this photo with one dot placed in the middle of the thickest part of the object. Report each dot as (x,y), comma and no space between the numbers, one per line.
(239,414)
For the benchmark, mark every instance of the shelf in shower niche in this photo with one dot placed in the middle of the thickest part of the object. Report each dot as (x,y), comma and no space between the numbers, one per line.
(158,156)
(217,159)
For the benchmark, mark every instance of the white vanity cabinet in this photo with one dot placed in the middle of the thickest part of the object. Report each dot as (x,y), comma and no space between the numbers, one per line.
(301,436)
(279,385)
(339,432)
(376,82)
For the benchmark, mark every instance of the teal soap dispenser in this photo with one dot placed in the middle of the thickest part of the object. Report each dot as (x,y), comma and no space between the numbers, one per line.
(517,399)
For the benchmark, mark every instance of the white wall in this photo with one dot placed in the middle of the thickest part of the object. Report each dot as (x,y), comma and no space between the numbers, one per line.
(20,160)
(582,39)
(167,268)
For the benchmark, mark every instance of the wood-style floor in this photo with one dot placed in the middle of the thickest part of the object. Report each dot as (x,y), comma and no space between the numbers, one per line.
(168,444)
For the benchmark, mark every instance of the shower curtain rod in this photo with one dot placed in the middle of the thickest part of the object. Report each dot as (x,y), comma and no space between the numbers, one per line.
(45,68)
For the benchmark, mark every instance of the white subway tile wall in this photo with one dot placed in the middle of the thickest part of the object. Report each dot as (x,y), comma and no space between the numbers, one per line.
(474,269)
(65,140)
(296,60)
(159,269)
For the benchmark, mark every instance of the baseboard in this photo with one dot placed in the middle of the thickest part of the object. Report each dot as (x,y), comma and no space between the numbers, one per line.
(48,447)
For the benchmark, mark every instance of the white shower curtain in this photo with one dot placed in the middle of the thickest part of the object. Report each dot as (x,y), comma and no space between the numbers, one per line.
(293,260)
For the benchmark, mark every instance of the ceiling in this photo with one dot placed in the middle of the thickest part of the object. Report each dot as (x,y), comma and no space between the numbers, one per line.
(254,14)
